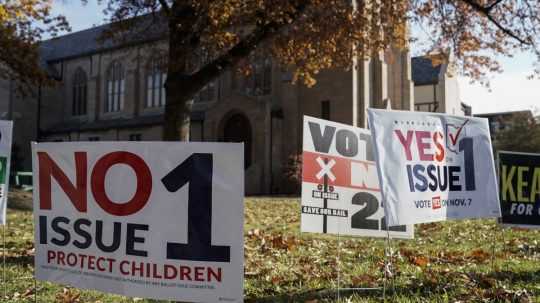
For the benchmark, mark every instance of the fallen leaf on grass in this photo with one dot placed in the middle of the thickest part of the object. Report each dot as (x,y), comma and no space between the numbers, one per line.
(276,279)
(28,292)
(255,233)
(364,279)
(430,227)
(280,242)
(420,261)
(480,255)
(414,258)
(487,282)
(502,294)
(68,296)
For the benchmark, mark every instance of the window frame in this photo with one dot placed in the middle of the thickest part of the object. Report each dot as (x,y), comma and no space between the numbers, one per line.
(154,83)
(259,81)
(115,88)
(79,100)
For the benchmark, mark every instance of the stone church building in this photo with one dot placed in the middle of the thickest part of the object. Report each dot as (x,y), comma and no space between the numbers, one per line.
(114,92)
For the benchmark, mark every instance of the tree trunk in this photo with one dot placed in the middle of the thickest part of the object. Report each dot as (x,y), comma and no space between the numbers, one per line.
(182,85)
(179,88)
(177,113)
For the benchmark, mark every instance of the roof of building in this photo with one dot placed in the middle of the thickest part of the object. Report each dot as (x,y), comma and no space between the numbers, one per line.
(505,114)
(423,71)
(92,40)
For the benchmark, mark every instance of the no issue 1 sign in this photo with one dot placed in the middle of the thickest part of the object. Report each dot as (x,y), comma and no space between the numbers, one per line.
(157,220)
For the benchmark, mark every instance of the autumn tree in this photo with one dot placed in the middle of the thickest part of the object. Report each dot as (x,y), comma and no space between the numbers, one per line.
(311,35)
(521,133)
(23,23)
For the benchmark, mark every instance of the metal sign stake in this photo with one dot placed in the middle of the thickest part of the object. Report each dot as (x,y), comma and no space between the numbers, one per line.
(4,253)
(338,264)
(388,263)
(493,248)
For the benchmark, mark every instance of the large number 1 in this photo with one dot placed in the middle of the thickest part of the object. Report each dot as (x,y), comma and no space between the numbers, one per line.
(197,171)
(466,145)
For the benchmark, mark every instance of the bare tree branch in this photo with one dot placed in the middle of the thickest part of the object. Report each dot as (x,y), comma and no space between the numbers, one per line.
(486,11)
(492,5)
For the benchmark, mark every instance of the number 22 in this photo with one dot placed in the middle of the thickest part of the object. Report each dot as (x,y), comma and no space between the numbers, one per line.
(360,219)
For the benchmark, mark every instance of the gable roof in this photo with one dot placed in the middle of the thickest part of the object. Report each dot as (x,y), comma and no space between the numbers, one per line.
(423,71)
(151,28)
(74,44)
(90,41)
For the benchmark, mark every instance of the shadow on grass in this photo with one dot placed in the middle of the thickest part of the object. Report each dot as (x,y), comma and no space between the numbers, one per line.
(17,204)
(532,277)
(320,294)
(23,260)
(426,286)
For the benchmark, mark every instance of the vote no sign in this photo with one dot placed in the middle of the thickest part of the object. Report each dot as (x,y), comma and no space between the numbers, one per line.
(158,220)
(340,186)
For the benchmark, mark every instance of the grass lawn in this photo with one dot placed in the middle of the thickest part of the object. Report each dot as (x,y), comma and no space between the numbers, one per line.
(446,262)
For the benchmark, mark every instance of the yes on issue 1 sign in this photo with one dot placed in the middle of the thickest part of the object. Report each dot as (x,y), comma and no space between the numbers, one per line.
(434,167)
(157,220)
(519,179)
(340,187)
(6,128)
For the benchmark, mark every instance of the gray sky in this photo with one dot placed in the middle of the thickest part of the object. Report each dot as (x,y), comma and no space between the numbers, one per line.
(510,90)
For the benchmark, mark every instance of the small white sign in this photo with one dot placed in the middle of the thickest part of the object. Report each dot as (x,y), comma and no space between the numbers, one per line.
(340,187)
(157,220)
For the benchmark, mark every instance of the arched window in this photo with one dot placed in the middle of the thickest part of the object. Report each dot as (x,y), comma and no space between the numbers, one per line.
(115,88)
(80,92)
(156,75)
(263,74)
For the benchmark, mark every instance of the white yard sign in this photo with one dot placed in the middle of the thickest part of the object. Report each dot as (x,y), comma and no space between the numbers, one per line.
(434,167)
(340,187)
(6,128)
(156,220)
